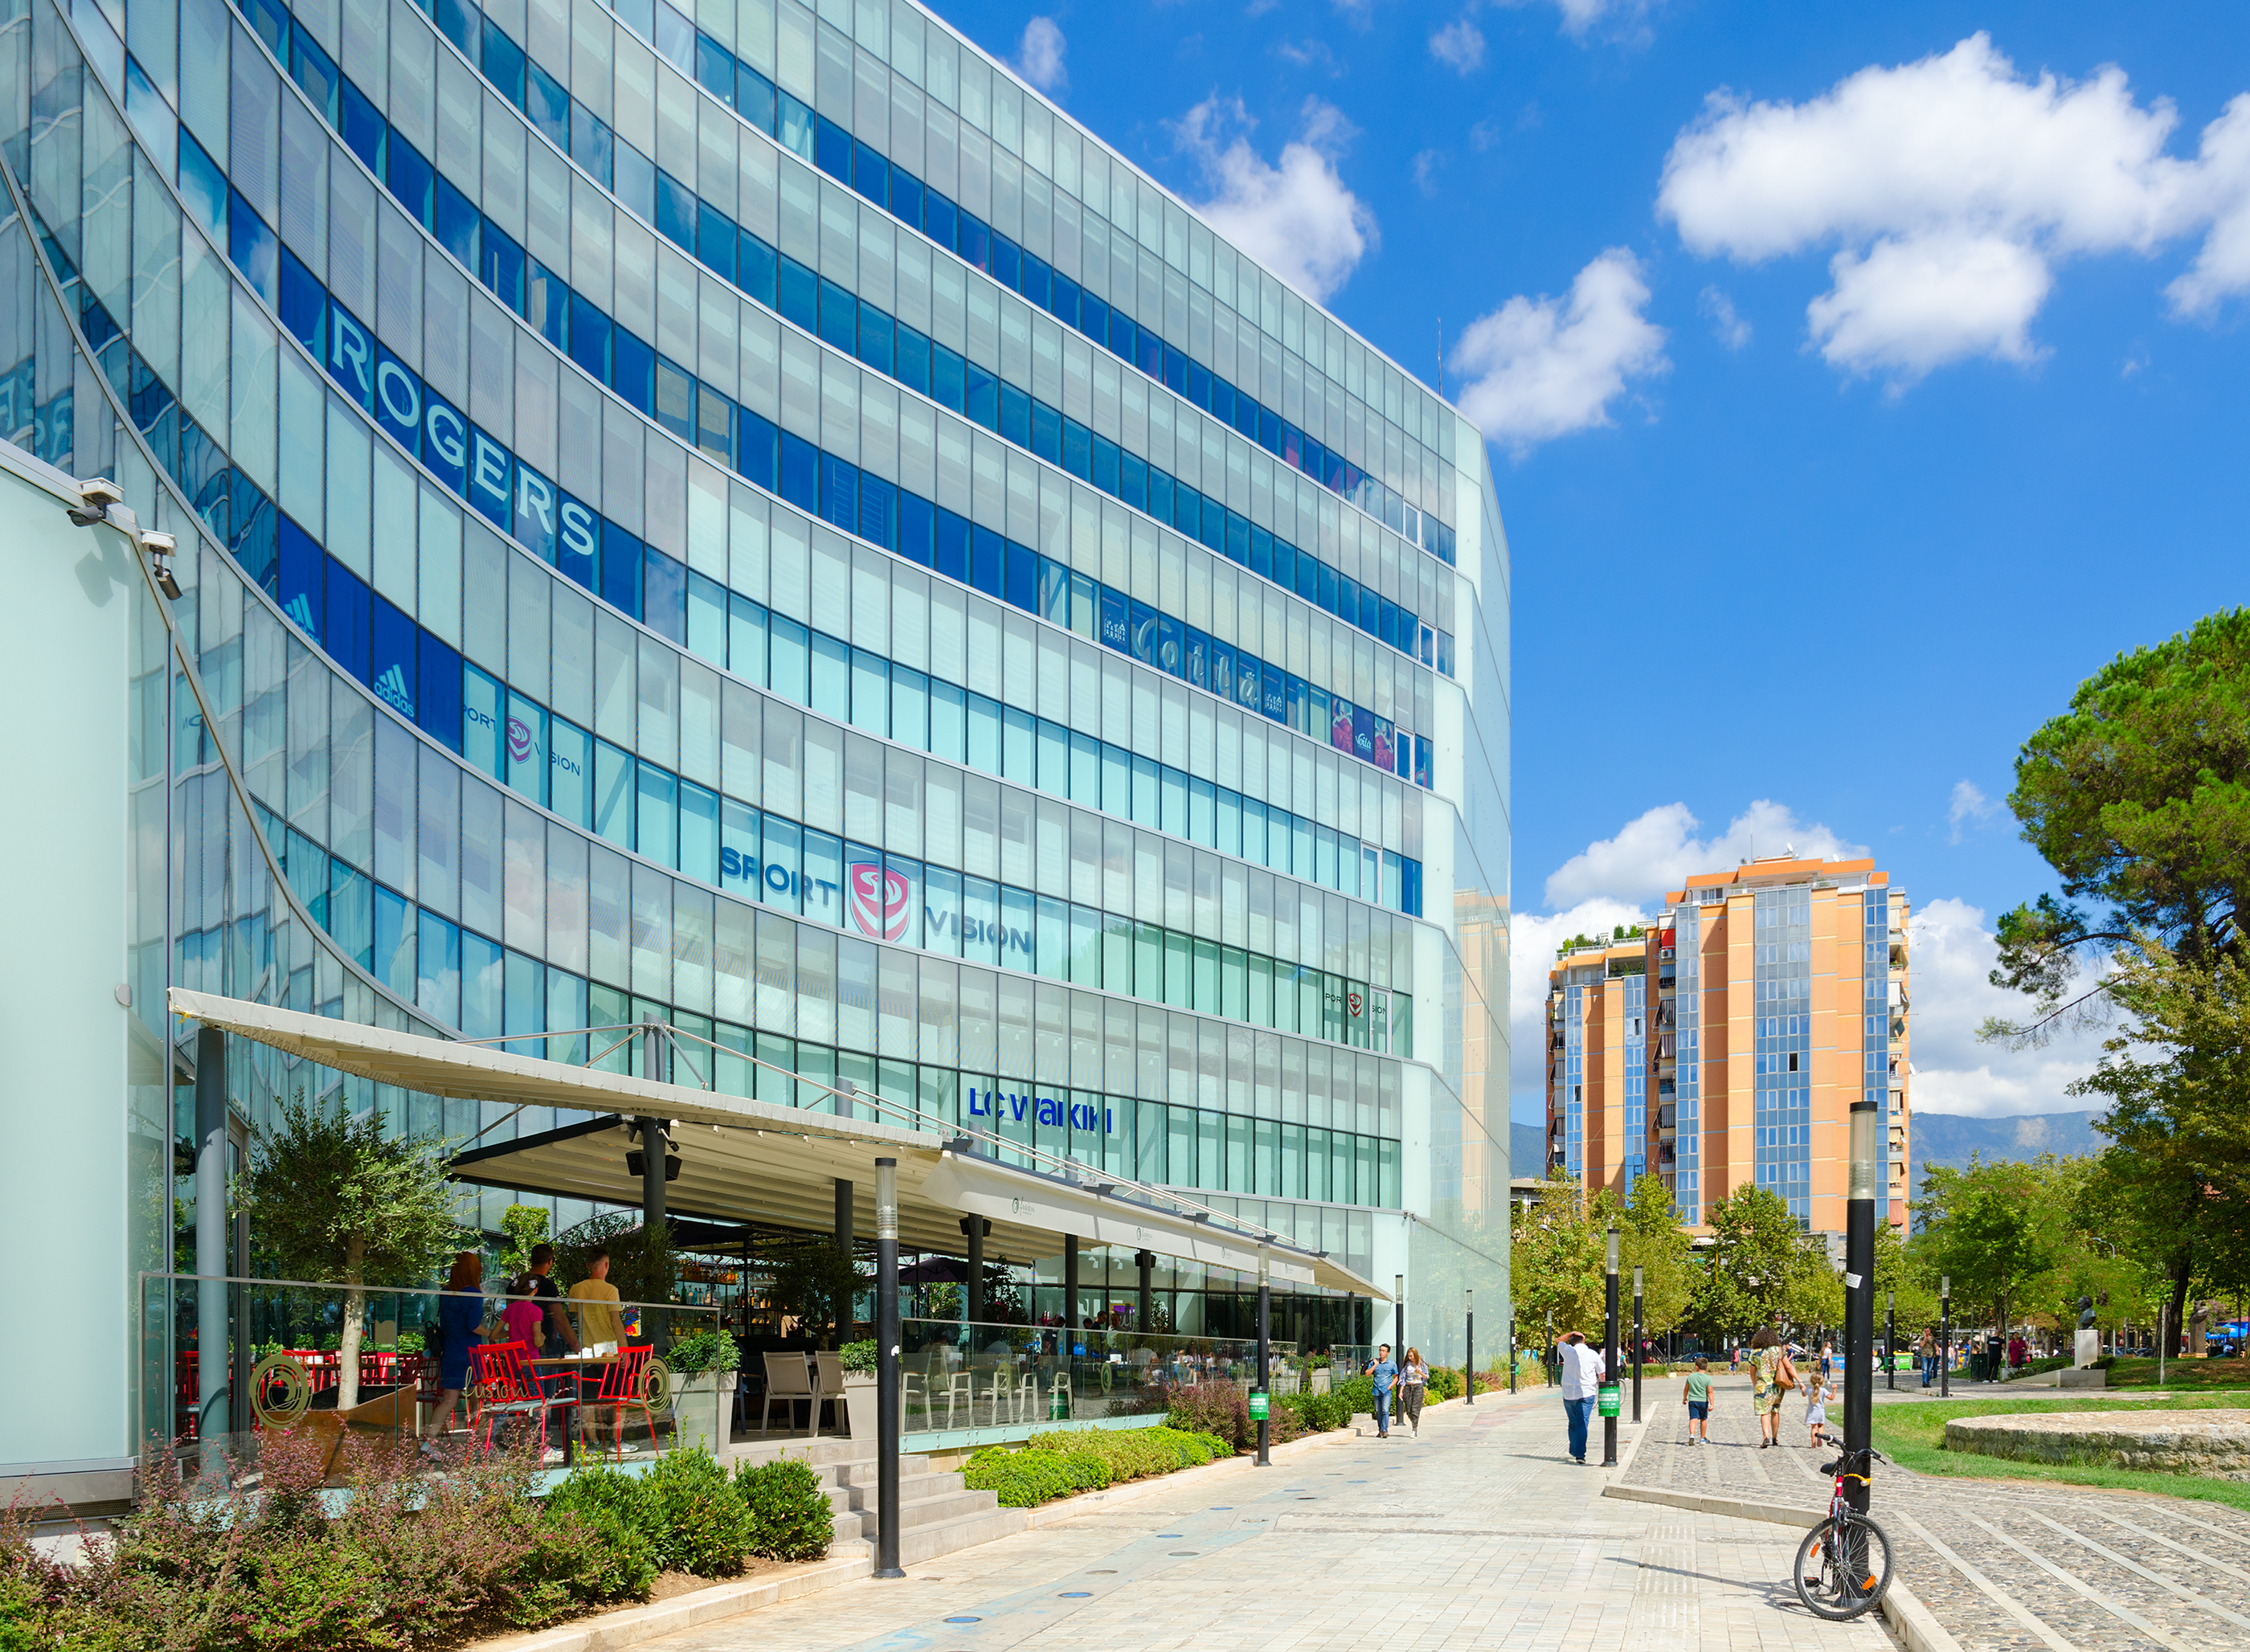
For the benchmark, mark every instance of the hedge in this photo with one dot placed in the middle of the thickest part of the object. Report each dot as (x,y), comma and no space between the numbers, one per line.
(1062,1462)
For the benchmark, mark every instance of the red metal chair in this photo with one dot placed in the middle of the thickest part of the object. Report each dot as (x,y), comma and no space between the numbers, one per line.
(624,1387)
(507,1387)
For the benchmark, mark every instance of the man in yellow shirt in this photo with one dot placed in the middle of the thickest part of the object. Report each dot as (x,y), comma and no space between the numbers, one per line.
(596,1300)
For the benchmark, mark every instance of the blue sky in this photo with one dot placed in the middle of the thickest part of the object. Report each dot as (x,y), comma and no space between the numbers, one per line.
(1859,380)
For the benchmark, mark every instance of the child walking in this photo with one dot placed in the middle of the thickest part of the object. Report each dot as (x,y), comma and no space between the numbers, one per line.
(1696,1394)
(1818,1394)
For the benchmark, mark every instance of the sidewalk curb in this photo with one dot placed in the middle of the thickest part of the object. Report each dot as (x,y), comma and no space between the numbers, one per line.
(1915,1623)
(610,1630)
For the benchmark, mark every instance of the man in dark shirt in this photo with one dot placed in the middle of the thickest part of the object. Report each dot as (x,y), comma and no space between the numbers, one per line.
(557,1339)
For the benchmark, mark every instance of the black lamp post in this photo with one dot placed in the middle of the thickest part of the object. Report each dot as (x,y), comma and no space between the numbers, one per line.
(1860,1291)
(1468,1343)
(1891,1339)
(1636,1344)
(888,1417)
(1608,1401)
(1944,1336)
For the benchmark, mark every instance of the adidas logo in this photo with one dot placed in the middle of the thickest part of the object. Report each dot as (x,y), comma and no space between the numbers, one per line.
(392,687)
(301,611)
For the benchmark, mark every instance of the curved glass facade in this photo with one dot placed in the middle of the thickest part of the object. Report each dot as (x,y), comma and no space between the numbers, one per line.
(759,521)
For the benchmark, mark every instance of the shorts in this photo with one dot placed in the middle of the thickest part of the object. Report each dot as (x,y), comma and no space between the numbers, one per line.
(1699,1410)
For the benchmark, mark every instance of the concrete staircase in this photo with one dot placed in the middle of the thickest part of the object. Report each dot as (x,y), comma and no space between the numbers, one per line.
(937,1515)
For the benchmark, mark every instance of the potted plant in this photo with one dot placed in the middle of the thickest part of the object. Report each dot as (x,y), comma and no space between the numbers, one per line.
(859,1406)
(702,1364)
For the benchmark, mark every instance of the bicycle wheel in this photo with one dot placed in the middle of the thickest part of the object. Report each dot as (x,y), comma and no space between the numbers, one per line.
(1842,1569)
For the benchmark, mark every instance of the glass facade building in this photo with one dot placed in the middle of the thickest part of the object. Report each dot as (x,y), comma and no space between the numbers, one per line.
(757,519)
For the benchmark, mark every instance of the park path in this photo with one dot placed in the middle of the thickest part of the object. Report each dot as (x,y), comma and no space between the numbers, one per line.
(2001,1565)
(1479,1534)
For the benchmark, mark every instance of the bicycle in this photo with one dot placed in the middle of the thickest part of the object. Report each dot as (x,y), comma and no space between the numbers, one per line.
(1844,1564)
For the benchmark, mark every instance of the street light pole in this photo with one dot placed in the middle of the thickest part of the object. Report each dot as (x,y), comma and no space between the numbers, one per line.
(1945,1336)
(1469,1342)
(1859,1292)
(1265,1359)
(888,1417)
(1511,1349)
(1610,1357)
(1636,1344)
(1891,1339)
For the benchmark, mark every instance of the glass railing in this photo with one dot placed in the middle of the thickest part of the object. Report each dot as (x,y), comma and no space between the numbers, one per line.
(354,1372)
(957,1375)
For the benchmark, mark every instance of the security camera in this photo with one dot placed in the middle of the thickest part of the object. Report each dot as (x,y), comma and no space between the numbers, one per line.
(160,547)
(95,495)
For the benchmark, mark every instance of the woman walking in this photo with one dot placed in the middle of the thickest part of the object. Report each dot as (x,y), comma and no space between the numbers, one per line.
(1413,1382)
(460,1321)
(1929,1357)
(1772,1374)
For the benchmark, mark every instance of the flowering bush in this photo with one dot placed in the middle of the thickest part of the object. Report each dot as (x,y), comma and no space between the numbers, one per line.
(260,1563)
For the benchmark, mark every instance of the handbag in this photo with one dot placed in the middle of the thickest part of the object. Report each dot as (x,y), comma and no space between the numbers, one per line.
(1785,1374)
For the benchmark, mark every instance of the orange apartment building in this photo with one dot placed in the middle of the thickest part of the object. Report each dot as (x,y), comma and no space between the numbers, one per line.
(1724,1044)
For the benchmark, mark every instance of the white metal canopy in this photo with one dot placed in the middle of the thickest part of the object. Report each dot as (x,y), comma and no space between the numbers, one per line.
(745,1161)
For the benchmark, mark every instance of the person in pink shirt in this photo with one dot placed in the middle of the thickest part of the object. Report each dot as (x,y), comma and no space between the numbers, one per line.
(522,1316)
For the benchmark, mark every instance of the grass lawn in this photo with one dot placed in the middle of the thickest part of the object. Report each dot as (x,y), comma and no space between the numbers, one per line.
(1913,1435)
(2180,1373)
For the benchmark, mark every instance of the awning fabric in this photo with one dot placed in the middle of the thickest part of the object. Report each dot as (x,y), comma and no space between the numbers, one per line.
(745,1161)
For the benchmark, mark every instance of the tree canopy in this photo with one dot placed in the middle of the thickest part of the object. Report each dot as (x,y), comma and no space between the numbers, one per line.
(331,1197)
(2139,797)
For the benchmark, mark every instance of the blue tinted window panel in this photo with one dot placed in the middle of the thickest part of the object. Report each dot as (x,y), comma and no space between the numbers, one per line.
(663,595)
(632,370)
(832,149)
(987,563)
(876,348)
(409,179)
(349,638)
(800,472)
(590,340)
(302,585)
(757,267)
(800,295)
(914,359)
(621,560)
(905,197)
(438,706)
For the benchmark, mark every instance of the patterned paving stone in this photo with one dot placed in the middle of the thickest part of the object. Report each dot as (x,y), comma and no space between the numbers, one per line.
(2001,1565)
(1479,1534)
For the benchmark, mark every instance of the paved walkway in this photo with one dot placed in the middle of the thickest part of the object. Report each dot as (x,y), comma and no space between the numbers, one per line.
(1479,1534)
(2001,1565)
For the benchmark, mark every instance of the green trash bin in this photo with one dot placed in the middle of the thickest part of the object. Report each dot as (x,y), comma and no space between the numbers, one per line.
(1608,1405)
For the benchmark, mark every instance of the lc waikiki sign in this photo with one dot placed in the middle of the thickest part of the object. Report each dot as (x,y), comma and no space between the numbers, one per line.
(1006,1107)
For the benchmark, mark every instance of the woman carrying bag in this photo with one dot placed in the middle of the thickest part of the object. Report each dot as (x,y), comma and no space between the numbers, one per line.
(1772,1375)
(1413,1383)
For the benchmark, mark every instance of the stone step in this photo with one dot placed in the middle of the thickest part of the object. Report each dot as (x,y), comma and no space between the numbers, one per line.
(934,1510)
(918,1544)
(911,1486)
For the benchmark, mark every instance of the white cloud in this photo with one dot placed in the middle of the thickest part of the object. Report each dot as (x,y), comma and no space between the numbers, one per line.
(1952,187)
(1609,19)
(1913,305)
(1969,806)
(1725,326)
(1460,45)
(1297,218)
(1537,369)
(1949,959)
(1531,945)
(1425,170)
(1039,58)
(1657,852)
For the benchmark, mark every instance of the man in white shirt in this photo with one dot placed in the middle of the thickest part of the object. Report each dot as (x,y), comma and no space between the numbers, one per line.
(1583,1370)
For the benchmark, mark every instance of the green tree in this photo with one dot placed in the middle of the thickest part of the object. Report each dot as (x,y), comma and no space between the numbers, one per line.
(1762,1269)
(1557,1252)
(2174,1190)
(525,1226)
(1991,1227)
(336,1198)
(643,1265)
(2139,797)
(1652,1240)
(816,1283)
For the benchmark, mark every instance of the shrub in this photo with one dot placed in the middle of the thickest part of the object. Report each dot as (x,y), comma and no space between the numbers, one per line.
(592,1556)
(1215,1408)
(702,1351)
(703,1526)
(790,1517)
(1357,1394)
(859,1356)
(1021,1479)
(1316,1413)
